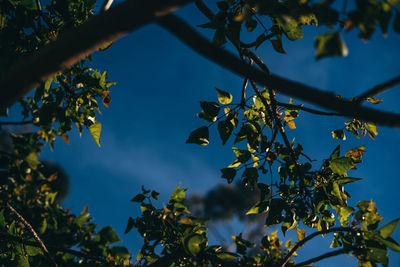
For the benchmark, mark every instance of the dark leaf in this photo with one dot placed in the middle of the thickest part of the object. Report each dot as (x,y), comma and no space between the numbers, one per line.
(199,136)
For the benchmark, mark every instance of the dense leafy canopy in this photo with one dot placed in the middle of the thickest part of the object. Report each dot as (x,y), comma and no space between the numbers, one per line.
(306,198)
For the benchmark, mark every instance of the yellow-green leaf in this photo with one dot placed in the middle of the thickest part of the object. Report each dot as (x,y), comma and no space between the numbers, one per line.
(224,97)
(95,130)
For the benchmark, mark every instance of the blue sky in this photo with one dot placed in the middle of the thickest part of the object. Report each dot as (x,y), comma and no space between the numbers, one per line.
(154,106)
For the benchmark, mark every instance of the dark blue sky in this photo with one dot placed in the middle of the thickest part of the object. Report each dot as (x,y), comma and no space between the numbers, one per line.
(154,106)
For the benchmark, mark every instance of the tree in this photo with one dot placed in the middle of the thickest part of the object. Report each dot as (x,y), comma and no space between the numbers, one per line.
(39,231)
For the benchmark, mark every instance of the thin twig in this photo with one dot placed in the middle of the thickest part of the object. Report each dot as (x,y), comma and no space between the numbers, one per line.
(377,89)
(310,110)
(15,122)
(262,38)
(311,236)
(324,256)
(35,235)
(204,9)
(6,236)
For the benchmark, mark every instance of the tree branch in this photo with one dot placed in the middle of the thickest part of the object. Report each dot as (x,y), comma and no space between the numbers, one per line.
(295,89)
(15,122)
(35,235)
(377,89)
(324,256)
(311,236)
(204,9)
(92,35)
(8,237)
(310,110)
(127,16)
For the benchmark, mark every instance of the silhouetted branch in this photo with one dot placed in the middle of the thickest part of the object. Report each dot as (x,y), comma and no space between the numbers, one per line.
(15,122)
(311,236)
(204,9)
(310,110)
(377,89)
(324,256)
(35,235)
(57,56)
(295,89)
(8,237)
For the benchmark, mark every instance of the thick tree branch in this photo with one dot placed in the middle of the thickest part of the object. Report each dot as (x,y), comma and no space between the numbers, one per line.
(129,15)
(311,236)
(78,43)
(35,235)
(295,89)
(377,89)
(324,256)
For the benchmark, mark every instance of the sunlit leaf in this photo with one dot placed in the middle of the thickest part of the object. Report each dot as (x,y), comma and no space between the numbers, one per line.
(224,97)
(301,234)
(371,127)
(388,229)
(341,165)
(95,130)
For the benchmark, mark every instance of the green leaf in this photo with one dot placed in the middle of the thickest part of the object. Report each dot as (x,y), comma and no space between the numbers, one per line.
(339,134)
(226,256)
(32,160)
(22,261)
(390,243)
(121,252)
(33,251)
(178,195)
(95,130)
(290,27)
(224,97)
(81,219)
(379,255)
(130,225)
(388,229)
(336,153)
(108,235)
(193,244)
(225,129)
(259,207)
(371,127)
(228,174)
(330,44)
(344,213)
(199,136)
(347,180)
(341,165)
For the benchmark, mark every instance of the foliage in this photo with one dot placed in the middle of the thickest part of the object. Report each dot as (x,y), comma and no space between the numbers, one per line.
(39,232)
